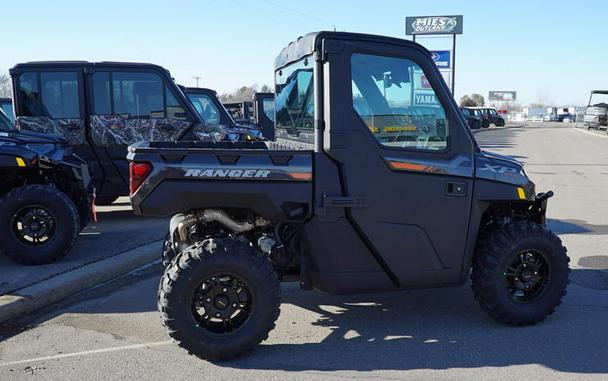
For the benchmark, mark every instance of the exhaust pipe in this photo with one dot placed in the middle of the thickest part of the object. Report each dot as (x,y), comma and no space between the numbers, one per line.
(210,215)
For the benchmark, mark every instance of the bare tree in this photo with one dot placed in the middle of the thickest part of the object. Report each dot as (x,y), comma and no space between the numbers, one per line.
(244,93)
(474,100)
(5,85)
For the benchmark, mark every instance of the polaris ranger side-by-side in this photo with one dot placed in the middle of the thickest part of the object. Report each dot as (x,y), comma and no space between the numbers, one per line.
(45,195)
(596,114)
(209,107)
(101,108)
(390,195)
(259,112)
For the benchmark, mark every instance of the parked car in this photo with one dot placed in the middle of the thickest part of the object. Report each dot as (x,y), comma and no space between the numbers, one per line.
(536,118)
(101,108)
(596,114)
(46,195)
(6,105)
(474,118)
(491,116)
(383,201)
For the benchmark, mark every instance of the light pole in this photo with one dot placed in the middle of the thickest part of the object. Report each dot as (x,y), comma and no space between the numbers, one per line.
(197,78)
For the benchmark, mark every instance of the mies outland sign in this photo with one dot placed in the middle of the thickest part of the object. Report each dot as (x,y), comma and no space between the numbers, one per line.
(433,25)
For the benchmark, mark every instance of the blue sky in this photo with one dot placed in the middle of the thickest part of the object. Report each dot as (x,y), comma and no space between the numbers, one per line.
(553,50)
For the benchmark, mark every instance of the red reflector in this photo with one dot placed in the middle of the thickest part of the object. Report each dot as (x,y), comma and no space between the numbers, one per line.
(137,174)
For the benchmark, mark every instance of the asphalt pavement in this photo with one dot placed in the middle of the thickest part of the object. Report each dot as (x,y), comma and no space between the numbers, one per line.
(113,331)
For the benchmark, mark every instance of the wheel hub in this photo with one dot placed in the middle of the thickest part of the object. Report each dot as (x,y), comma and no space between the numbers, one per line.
(527,276)
(221,304)
(33,225)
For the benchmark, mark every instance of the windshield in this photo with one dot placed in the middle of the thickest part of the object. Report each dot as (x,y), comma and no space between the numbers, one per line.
(599,100)
(205,107)
(5,123)
(294,100)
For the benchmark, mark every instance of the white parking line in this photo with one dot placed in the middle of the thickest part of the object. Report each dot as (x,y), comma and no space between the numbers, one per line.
(92,352)
(590,133)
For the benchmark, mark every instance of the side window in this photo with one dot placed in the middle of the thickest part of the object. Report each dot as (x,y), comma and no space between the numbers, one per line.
(102,100)
(205,108)
(397,104)
(138,95)
(174,109)
(50,94)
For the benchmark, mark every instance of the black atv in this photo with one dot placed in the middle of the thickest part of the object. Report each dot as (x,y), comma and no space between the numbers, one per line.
(393,193)
(46,195)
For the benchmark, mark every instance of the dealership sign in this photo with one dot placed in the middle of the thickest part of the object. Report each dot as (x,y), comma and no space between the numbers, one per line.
(442,58)
(422,98)
(502,95)
(433,25)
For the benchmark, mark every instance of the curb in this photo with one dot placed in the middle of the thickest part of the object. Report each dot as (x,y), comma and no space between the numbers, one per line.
(34,297)
(478,130)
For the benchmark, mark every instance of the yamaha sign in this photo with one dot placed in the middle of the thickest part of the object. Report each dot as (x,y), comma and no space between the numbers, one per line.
(433,25)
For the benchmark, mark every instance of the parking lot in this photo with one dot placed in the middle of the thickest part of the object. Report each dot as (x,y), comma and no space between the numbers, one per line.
(113,331)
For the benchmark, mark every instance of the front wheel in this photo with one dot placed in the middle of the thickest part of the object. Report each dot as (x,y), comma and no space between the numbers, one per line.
(219,298)
(38,224)
(520,273)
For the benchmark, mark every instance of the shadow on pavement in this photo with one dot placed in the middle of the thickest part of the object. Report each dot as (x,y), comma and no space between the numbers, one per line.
(573,226)
(438,329)
(418,329)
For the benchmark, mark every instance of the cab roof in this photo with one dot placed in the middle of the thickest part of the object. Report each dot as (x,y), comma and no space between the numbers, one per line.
(63,64)
(599,91)
(202,90)
(309,43)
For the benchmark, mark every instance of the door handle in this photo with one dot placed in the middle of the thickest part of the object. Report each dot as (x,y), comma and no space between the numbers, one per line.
(455,188)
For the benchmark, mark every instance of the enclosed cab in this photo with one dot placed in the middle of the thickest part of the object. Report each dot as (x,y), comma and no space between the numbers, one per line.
(596,114)
(100,108)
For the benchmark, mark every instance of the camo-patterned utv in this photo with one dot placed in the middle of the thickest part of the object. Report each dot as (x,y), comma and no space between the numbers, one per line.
(101,108)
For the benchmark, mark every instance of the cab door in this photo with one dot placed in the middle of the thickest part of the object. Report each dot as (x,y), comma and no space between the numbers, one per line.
(49,100)
(128,105)
(404,156)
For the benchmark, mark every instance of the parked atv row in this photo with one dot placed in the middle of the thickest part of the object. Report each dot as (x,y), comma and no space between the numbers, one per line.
(372,187)
(101,108)
(482,117)
(95,111)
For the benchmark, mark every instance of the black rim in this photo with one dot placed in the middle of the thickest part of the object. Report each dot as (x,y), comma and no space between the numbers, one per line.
(527,276)
(222,304)
(33,225)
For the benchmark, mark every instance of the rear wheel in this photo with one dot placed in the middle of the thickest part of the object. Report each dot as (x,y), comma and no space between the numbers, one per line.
(219,298)
(520,273)
(38,224)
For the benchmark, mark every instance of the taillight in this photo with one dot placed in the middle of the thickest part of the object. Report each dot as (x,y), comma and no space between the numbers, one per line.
(137,174)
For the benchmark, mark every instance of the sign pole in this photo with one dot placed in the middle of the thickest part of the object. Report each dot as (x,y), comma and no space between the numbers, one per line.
(453,64)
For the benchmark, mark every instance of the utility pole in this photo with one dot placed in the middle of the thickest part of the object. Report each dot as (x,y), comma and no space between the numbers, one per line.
(197,78)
